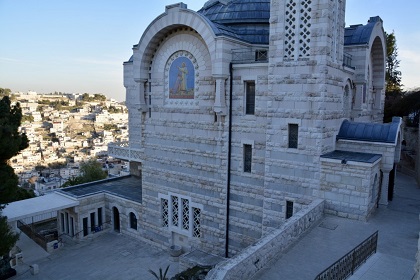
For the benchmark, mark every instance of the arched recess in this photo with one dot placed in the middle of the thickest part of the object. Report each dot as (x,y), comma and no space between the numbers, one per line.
(160,28)
(348,99)
(377,58)
(116,219)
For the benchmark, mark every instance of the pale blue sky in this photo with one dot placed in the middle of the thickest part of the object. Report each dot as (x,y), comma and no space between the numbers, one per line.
(80,45)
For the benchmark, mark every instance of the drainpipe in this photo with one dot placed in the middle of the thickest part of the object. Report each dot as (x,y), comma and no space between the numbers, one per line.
(228,162)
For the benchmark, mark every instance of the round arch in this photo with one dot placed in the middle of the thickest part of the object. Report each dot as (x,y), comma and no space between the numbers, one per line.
(158,31)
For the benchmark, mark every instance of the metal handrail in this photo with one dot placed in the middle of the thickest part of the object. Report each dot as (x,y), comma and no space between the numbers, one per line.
(345,267)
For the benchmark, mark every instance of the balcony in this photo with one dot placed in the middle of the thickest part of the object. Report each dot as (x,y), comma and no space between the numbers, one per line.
(347,60)
(122,150)
(250,55)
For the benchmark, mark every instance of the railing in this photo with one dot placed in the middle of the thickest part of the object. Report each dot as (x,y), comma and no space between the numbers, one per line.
(38,238)
(347,60)
(122,150)
(249,55)
(345,267)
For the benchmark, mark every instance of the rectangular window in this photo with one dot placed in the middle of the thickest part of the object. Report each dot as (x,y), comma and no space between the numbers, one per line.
(196,222)
(175,209)
(67,223)
(247,157)
(71,226)
(289,209)
(293,136)
(249,98)
(185,214)
(165,212)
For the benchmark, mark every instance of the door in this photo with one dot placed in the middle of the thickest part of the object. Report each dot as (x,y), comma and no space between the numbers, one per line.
(116,219)
(391,184)
(85,226)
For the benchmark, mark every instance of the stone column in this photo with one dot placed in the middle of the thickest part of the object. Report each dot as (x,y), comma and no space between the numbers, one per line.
(384,188)
(220,95)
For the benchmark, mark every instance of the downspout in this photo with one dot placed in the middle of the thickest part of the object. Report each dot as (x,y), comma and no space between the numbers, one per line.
(228,162)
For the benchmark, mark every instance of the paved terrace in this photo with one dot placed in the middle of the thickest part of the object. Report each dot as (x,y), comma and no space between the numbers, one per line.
(115,256)
(128,187)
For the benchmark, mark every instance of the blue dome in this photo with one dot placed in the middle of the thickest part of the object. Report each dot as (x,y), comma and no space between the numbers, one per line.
(247,20)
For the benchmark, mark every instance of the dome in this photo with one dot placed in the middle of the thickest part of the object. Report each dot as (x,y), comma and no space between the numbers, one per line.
(247,20)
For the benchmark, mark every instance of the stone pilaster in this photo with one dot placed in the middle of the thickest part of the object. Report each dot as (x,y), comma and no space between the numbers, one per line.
(384,188)
(220,95)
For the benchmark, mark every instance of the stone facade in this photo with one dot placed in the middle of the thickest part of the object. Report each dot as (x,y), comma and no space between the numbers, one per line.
(227,132)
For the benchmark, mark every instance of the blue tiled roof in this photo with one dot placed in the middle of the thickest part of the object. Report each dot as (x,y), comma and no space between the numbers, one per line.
(247,20)
(370,132)
(360,34)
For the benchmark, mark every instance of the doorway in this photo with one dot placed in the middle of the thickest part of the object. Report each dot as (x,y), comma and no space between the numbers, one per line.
(116,219)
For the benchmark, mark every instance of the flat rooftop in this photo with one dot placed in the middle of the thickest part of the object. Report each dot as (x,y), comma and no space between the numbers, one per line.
(352,156)
(128,187)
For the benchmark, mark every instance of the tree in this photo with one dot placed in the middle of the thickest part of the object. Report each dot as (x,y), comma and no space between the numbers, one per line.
(90,170)
(11,143)
(5,92)
(392,75)
(8,237)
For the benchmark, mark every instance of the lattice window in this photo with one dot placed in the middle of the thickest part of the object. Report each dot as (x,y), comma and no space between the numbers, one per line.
(297,29)
(175,209)
(165,212)
(196,222)
(290,29)
(293,136)
(185,214)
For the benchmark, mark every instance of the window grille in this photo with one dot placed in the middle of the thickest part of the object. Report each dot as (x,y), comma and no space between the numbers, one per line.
(196,222)
(175,209)
(165,212)
(185,214)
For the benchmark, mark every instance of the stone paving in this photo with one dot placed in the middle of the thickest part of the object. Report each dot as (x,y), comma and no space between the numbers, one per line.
(398,226)
(109,256)
(115,256)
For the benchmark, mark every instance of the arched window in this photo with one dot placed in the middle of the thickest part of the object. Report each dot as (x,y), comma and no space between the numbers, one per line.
(133,221)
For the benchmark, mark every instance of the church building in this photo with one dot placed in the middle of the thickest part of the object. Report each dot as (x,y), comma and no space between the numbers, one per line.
(242,114)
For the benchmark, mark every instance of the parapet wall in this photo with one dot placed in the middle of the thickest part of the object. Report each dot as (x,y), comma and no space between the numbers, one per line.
(270,247)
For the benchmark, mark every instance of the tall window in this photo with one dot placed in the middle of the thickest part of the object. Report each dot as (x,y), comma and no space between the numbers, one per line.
(289,209)
(293,136)
(165,212)
(247,157)
(250,98)
(133,221)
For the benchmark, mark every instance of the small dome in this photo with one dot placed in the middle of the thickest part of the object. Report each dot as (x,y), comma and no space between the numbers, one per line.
(247,19)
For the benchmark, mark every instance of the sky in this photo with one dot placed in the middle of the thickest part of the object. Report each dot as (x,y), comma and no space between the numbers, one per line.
(79,46)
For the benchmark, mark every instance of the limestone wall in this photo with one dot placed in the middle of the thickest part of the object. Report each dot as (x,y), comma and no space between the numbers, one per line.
(270,247)
(350,190)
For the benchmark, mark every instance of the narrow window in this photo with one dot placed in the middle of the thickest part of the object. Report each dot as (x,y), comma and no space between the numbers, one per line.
(133,221)
(289,209)
(67,223)
(247,157)
(250,98)
(175,209)
(185,214)
(165,212)
(293,136)
(196,222)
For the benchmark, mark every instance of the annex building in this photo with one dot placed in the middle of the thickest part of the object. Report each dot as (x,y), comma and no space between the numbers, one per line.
(241,115)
